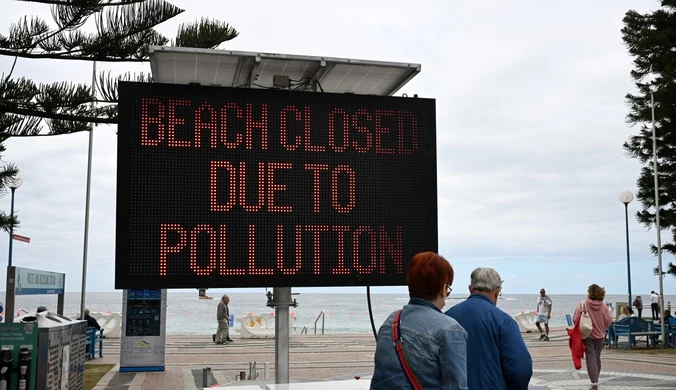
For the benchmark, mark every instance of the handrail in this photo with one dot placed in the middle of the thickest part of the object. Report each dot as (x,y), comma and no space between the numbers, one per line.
(304,331)
(321,315)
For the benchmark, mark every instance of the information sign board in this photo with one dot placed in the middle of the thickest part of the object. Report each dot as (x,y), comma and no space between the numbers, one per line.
(33,281)
(227,187)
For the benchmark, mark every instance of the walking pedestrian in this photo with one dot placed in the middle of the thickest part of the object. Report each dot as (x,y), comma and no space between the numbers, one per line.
(222,335)
(497,357)
(544,314)
(601,320)
(418,346)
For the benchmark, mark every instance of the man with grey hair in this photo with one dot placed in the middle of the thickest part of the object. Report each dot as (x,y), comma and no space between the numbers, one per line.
(222,335)
(91,321)
(497,357)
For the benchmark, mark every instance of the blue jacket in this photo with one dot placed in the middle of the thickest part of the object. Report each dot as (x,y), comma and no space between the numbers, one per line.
(497,357)
(435,347)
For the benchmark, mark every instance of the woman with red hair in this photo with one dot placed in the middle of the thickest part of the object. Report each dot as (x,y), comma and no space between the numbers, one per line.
(418,346)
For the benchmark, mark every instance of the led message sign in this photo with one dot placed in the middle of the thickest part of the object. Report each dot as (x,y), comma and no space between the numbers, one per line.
(226,187)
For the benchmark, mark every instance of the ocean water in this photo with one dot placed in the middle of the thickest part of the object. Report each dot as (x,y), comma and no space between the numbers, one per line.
(344,313)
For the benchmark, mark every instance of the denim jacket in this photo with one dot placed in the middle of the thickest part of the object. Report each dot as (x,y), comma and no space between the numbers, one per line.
(435,347)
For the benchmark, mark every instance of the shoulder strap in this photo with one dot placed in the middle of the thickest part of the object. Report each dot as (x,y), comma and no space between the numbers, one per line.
(398,346)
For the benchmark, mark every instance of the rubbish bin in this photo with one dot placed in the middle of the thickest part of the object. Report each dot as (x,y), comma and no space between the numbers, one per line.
(61,351)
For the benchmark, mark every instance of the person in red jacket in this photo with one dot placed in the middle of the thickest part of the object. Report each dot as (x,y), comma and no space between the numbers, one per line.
(601,320)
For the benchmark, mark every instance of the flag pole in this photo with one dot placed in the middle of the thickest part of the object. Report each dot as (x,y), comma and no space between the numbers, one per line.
(657,218)
(87,201)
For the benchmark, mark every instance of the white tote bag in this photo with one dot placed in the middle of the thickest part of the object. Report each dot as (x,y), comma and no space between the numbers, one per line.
(586,325)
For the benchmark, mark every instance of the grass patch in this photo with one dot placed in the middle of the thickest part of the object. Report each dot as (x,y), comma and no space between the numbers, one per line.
(93,374)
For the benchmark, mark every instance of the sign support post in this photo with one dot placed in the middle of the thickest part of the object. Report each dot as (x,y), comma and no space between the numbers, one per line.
(281,300)
(9,299)
(60,299)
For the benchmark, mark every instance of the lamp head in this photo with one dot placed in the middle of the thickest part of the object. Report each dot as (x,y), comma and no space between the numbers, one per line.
(626,197)
(15,182)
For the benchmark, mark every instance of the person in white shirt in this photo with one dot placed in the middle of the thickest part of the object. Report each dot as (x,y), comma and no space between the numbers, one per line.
(544,313)
(655,305)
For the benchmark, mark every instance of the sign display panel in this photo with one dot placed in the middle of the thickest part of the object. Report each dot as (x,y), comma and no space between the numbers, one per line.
(226,187)
(144,308)
(35,281)
(143,336)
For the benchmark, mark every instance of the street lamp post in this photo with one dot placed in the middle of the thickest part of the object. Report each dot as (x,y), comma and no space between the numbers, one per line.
(14,183)
(626,197)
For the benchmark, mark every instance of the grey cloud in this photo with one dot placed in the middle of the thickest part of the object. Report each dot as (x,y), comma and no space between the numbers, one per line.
(530,126)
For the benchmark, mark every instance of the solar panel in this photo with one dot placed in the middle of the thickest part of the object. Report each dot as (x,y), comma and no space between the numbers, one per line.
(179,65)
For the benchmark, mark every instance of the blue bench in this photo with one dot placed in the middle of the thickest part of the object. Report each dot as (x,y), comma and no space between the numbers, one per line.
(94,343)
(634,327)
(670,326)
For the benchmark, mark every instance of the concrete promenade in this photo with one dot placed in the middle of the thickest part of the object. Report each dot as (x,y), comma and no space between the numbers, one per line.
(343,356)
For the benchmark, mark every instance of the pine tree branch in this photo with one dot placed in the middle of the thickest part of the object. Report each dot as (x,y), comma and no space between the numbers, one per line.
(133,21)
(205,34)
(50,115)
(106,86)
(8,222)
(65,56)
(4,79)
(15,125)
(7,172)
(105,3)
(671,270)
(24,33)
(64,107)
(123,33)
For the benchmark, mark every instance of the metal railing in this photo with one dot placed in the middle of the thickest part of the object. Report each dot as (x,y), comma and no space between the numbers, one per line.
(321,315)
(304,331)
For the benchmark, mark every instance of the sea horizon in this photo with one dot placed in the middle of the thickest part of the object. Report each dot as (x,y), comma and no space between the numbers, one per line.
(343,313)
(238,291)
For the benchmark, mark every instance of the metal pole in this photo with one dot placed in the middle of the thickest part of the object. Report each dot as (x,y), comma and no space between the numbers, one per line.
(60,300)
(11,230)
(282,297)
(87,200)
(626,223)
(9,297)
(206,377)
(657,219)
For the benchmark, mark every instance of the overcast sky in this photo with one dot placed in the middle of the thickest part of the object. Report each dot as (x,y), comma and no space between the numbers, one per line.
(530,118)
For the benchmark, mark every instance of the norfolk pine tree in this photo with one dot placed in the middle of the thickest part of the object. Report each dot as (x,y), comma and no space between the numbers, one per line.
(123,31)
(651,40)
